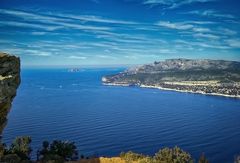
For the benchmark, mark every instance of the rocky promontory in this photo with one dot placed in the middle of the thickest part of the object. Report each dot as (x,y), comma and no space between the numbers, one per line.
(214,77)
(9,82)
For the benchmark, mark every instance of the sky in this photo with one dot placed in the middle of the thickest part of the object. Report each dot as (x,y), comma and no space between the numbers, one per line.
(119,32)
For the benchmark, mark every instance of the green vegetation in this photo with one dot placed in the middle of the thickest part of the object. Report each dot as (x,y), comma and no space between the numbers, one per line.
(165,155)
(131,156)
(56,152)
(171,155)
(61,151)
(18,151)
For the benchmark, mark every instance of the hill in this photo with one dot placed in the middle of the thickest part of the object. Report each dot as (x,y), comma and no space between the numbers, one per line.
(216,77)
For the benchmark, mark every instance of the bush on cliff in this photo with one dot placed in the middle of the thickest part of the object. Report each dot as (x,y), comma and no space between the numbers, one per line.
(172,155)
(165,155)
(19,151)
(131,156)
(58,150)
(21,147)
(61,151)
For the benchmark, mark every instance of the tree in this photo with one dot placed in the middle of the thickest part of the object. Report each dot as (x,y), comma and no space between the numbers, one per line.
(60,150)
(21,147)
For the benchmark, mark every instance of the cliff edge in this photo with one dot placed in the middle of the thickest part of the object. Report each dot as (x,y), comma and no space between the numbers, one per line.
(9,82)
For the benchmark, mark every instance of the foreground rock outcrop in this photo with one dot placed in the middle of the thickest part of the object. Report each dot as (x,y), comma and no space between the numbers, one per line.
(215,77)
(9,82)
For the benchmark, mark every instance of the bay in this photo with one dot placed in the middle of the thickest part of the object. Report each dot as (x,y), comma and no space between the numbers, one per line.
(106,120)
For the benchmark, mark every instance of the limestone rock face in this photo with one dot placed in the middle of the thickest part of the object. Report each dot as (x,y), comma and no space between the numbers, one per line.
(9,82)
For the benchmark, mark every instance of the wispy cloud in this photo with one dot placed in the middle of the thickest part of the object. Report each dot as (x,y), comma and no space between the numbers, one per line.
(77,57)
(97,19)
(227,31)
(212,45)
(185,25)
(234,43)
(179,26)
(211,13)
(83,27)
(199,29)
(195,26)
(65,20)
(80,37)
(171,4)
(36,52)
(106,57)
(209,36)
(50,22)
(201,22)
(164,2)
(38,33)
(31,16)
(130,39)
(29,25)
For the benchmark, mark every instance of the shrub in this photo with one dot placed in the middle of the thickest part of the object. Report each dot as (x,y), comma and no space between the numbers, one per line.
(52,158)
(172,155)
(165,155)
(21,147)
(131,156)
(11,158)
(58,150)
(2,150)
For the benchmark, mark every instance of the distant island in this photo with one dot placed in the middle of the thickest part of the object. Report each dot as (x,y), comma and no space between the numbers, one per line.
(213,77)
(74,70)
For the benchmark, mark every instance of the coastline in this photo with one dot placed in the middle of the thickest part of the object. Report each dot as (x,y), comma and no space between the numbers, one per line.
(170,89)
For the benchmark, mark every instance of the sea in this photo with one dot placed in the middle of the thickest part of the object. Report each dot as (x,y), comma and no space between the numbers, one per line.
(55,104)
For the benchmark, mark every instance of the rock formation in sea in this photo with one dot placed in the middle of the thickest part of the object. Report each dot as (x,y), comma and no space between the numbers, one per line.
(9,82)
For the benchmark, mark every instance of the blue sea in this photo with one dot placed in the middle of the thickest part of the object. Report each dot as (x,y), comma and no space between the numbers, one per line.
(106,120)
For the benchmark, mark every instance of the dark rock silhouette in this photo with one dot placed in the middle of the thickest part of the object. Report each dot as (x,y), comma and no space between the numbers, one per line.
(9,82)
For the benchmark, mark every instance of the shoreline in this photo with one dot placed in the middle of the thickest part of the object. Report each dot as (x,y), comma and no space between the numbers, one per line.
(171,89)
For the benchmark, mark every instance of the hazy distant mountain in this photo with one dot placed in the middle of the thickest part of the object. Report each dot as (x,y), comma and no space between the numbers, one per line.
(188,64)
(205,76)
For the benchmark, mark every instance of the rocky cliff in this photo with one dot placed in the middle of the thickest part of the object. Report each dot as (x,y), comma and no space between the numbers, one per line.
(9,82)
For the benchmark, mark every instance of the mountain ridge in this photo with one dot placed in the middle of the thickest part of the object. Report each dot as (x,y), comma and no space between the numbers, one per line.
(197,76)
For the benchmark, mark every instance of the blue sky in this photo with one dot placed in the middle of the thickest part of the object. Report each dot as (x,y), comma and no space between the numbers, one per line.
(115,32)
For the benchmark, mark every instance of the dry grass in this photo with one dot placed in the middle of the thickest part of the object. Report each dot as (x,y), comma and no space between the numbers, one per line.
(101,160)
